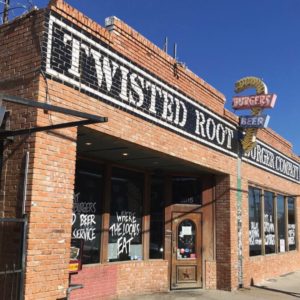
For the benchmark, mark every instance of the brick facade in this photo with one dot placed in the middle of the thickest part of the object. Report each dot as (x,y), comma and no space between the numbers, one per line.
(53,160)
(122,279)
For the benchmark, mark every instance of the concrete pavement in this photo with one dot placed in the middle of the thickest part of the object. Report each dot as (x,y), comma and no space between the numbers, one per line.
(286,286)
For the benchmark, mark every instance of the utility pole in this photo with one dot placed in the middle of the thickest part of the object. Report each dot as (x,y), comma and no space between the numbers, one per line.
(245,145)
(5,11)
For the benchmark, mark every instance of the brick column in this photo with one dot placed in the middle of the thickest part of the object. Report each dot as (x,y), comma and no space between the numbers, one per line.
(50,212)
(225,233)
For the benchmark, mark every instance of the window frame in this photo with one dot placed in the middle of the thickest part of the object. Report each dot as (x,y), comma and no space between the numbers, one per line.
(277,224)
(295,223)
(144,222)
(286,197)
(92,170)
(274,209)
(260,225)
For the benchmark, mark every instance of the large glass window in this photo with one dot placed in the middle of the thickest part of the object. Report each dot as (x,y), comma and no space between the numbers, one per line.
(281,223)
(262,227)
(156,217)
(255,221)
(86,222)
(186,190)
(291,224)
(125,231)
(269,225)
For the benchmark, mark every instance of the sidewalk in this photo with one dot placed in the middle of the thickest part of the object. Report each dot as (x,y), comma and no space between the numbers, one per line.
(286,286)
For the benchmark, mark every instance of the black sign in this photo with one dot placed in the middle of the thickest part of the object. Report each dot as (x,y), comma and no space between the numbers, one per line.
(273,161)
(76,58)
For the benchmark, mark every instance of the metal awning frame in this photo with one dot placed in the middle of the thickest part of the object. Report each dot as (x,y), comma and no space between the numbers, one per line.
(87,118)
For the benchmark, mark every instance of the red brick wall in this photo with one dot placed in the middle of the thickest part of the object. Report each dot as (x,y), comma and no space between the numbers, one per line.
(121,279)
(19,74)
(270,266)
(53,156)
(264,267)
(50,215)
(210,275)
(138,49)
(226,245)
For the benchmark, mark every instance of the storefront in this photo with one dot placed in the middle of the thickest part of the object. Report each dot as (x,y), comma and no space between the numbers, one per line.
(151,208)
(153,191)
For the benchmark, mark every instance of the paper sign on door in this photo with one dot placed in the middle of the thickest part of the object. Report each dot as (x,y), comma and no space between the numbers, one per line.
(186,230)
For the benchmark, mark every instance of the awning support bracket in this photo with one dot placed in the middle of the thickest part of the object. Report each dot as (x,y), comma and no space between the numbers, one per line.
(88,118)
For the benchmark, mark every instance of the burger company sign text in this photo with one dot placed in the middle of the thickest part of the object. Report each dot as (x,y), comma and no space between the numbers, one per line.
(89,65)
(265,157)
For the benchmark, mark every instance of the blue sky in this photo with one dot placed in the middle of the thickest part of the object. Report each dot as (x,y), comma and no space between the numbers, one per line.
(222,41)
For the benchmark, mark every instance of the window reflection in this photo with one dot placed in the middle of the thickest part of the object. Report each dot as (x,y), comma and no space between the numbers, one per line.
(125,230)
(269,222)
(186,238)
(254,221)
(262,225)
(281,223)
(291,224)
(86,219)
(156,217)
(186,190)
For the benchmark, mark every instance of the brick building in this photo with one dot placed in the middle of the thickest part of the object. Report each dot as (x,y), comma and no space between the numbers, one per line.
(154,191)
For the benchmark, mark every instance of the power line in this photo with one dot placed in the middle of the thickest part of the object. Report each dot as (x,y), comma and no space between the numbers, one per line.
(8,6)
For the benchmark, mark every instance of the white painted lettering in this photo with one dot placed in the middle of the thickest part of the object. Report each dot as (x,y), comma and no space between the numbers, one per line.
(220,134)
(210,128)
(76,46)
(137,88)
(184,114)
(230,135)
(123,94)
(167,106)
(109,72)
(200,121)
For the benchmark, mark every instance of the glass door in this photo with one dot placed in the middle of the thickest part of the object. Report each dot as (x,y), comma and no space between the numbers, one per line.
(186,251)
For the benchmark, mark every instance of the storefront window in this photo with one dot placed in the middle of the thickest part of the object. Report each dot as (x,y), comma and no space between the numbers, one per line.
(269,222)
(156,217)
(285,235)
(125,231)
(255,239)
(281,223)
(186,190)
(291,224)
(86,222)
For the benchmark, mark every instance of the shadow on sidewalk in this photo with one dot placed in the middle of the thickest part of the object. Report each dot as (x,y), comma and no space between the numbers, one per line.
(297,295)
